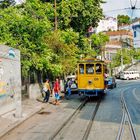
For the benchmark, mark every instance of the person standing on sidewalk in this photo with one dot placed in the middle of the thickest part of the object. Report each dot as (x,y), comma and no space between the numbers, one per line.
(47,90)
(56,91)
(68,89)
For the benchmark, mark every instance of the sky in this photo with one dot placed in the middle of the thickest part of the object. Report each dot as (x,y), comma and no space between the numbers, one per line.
(121,4)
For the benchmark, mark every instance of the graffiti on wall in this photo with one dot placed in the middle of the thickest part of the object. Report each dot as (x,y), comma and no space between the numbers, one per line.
(5,87)
(11,53)
(2,84)
(2,89)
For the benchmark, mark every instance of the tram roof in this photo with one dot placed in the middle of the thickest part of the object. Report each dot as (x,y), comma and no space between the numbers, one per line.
(90,60)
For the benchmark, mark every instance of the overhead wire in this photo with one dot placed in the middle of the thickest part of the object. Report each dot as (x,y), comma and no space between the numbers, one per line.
(117,10)
(132,7)
(131,3)
(135,2)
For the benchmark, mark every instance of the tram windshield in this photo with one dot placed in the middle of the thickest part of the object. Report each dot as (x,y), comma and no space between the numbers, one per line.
(89,68)
(98,68)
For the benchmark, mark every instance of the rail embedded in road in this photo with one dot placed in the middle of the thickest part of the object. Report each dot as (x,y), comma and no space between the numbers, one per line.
(85,137)
(126,118)
(72,123)
(69,119)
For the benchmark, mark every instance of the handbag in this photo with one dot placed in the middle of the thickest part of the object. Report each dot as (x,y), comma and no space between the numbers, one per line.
(45,89)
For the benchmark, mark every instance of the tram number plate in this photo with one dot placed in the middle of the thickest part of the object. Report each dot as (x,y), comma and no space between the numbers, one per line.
(96,79)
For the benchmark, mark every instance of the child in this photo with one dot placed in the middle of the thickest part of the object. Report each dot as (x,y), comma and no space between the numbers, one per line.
(56,92)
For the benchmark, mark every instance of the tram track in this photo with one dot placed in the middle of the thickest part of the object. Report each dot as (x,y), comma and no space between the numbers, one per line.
(71,117)
(126,119)
(60,133)
(87,132)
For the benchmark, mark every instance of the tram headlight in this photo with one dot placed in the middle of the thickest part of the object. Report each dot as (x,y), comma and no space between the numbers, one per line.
(90,82)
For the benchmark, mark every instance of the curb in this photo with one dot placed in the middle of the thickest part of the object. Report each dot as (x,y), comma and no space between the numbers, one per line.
(10,128)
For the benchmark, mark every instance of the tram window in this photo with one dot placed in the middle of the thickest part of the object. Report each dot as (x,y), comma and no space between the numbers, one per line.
(98,68)
(89,68)
(81,68)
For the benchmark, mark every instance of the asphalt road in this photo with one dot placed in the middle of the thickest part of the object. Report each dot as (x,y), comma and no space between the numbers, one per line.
(132,97)
(106,123)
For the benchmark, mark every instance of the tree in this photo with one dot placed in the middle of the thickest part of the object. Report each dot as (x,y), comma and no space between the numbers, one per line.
(29,28)
(126,54)
(123,19)
(6,3)
(79,14)
(64,58)
(24,27)
(98,42)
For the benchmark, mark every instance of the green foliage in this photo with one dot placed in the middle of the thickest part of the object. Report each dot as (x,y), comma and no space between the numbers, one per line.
(127,57)
(123,19)
(64,51)
(98,42)
(79,14)
(29,28)
(136,54)
(25,27)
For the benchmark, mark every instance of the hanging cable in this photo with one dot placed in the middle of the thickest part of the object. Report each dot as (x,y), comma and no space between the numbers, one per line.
(131,3)
(117,10)
(133,7)
(135,3)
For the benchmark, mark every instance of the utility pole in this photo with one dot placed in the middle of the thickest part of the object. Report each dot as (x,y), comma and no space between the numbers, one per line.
(90,41)
(121,59)
(121,40)
(55,16)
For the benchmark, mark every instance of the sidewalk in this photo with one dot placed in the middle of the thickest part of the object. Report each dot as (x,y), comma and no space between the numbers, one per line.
(8,120)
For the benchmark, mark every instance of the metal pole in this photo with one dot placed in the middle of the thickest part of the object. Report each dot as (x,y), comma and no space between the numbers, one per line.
(55,15)
(90,41)
(121,59)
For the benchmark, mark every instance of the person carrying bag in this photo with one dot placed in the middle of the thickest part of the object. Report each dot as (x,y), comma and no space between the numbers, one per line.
(47,90)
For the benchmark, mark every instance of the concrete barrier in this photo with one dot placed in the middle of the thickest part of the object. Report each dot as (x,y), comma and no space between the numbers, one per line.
(34,91)
(10,80)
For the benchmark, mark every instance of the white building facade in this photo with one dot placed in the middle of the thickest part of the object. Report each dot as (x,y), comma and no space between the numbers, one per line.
(20,1)
(107,24)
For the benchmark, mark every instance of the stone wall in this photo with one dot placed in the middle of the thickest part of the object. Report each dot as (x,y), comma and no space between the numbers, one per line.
(10,80)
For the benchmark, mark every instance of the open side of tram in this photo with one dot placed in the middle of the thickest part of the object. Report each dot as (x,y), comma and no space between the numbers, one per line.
(90,77)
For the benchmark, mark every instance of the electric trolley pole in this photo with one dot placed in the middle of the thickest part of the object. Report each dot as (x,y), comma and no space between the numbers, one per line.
(55,16)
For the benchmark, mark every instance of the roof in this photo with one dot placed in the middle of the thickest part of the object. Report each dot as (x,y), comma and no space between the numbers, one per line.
(90,60)
(119,32)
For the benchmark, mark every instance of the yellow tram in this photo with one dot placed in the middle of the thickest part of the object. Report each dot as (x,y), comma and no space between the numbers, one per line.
(90,77)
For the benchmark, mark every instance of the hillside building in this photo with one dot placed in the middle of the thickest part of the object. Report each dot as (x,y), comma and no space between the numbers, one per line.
(117,40)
